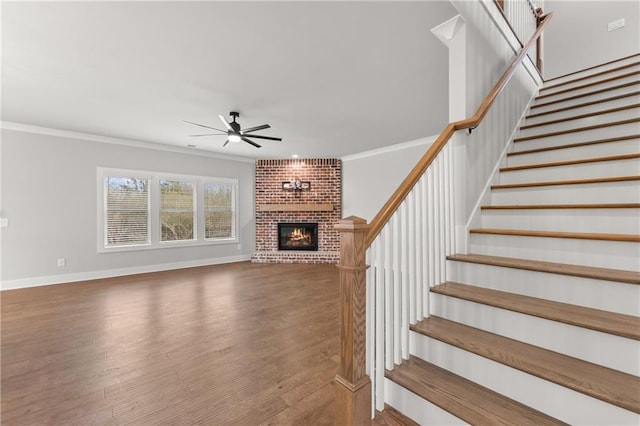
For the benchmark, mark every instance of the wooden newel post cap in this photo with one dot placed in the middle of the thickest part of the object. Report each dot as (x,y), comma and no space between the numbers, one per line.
(352,223)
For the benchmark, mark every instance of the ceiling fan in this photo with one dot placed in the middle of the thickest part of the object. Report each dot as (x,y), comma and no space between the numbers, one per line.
(234,132)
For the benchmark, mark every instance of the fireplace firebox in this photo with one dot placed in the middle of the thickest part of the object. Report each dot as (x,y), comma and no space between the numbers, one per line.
(298,236)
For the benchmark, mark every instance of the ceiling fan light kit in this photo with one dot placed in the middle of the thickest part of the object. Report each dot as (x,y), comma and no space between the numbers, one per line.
(234,131)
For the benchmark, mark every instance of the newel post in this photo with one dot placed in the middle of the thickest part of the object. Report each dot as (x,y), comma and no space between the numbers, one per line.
(353,386)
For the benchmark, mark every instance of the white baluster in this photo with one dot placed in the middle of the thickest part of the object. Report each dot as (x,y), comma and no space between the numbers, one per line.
(388,297)
(404,281)
(412,252)
(397,296)
(419,257)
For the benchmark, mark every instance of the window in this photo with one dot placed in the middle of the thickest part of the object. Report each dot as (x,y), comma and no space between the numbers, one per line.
(126,211)
(177,213)
(147,210)
(218,210)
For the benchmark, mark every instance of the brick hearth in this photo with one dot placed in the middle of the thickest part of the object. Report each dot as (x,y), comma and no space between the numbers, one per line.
(274,205)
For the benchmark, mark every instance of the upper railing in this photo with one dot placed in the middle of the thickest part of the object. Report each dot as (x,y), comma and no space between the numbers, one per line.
(523,17)
(472,122)
(412,249)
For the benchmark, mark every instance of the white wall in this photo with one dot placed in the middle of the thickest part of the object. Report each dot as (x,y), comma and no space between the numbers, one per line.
(370,178)
(489,51)
(577,37)
(49,197)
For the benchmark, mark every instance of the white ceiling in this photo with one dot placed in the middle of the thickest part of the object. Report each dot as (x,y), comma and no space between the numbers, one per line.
(331,78)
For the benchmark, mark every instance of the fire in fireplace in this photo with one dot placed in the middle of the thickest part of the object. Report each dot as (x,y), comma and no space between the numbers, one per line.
(298,236)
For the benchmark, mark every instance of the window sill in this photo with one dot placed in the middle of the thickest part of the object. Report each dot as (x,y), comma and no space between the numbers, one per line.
(168,245)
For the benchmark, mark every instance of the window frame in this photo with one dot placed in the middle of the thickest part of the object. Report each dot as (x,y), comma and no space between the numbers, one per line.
(155,232)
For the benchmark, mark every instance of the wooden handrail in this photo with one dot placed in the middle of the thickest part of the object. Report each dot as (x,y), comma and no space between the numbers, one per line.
(390,207)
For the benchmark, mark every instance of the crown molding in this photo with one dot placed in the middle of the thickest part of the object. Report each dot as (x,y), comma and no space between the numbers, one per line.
(391,148)
(27,128)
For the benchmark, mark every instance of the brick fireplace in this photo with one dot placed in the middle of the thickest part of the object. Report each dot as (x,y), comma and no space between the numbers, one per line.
(302,191)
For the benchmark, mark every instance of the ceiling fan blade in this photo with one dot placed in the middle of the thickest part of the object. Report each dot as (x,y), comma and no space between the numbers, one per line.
(225,143)
(226,123)
(208,134)
(254,129)
(202,125)
(266,137)
(250,142)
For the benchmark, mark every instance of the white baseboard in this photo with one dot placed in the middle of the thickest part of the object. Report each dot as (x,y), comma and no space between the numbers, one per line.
(109,273)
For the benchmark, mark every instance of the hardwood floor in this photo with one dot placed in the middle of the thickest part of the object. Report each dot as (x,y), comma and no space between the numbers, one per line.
(228,344)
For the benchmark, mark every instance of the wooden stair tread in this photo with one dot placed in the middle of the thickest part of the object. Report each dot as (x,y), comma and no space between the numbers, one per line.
(629,277)
(592,67)
(594,319)
(585,104)
(574,145)
(577,129)
(564,83)
(566,182)
(560,206)
(594,83)
(580,116)
(584,95)
(629,238)
(463,398)
(619,157)
(606,384)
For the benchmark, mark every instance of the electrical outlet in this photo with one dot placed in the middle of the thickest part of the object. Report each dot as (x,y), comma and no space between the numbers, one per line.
(4,222)
(239,247)
(615,25)
(62,262)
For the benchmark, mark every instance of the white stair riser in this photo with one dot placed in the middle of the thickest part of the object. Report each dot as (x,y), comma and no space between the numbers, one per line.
(625,130)
(600,169)
(544,104)
(607,192)
(601,254)
(553,86)
(555,400)
(588,151)
(597,69)
(582,122)
(615,352)
(606,221)
(617,103)
(413,406)
(605,295)
(578,137)
(560,94)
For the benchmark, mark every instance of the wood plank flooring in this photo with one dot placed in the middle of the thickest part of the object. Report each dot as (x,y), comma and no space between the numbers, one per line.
(242,343)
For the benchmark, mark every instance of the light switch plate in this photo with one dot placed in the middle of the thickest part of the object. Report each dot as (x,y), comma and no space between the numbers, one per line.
(4,222)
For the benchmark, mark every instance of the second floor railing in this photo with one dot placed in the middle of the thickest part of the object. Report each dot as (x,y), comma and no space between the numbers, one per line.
(524,17)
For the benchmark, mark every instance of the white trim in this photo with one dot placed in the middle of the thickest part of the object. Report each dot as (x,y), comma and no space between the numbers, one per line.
(27,128)
(109,273)
(428,140)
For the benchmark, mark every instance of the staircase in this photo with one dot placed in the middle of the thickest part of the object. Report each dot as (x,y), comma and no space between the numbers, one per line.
(539,323)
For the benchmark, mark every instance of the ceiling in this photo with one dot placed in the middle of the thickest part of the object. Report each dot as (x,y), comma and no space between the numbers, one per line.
(331,78)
